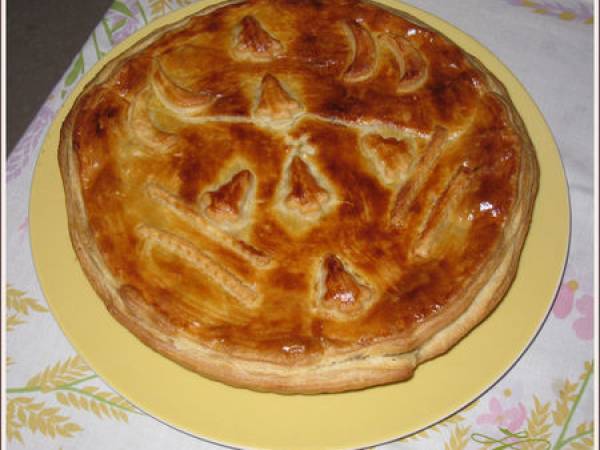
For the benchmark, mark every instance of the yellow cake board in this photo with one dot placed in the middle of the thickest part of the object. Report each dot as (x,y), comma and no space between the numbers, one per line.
(243,418)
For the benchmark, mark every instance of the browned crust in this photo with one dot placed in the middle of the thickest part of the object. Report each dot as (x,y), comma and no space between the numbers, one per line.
(384,362)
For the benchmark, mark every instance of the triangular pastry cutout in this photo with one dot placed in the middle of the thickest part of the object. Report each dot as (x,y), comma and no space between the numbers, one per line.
(226,204)
(342,295)
(254,42)
(306,195)
(393,156)
(275,102)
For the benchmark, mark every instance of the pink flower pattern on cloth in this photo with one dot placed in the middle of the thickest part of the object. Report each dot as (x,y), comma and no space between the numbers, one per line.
(511,418)
(564,299)
(584,326)
(584,305)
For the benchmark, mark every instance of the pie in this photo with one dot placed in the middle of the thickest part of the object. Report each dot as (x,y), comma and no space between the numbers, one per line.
(298,196)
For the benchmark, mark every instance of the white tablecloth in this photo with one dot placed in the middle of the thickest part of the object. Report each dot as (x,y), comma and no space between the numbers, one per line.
(54,400)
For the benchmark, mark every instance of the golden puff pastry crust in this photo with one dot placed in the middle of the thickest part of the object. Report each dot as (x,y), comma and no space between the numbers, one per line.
(298,196)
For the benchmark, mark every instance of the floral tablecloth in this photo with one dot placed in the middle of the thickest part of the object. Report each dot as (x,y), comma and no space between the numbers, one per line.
(54,400)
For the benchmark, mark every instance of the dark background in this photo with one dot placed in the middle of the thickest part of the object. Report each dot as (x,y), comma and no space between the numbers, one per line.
(42,38)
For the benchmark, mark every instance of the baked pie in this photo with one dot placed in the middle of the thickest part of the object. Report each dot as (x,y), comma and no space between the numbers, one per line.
(298,196)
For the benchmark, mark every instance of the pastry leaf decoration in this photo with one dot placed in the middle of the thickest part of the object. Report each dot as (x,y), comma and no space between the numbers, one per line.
(122,8)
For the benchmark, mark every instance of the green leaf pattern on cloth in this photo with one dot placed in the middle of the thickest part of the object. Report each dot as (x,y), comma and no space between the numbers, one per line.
(549,424)
(549,429)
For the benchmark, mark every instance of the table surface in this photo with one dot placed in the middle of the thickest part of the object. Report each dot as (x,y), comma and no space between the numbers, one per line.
(54,400)
(34,62)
